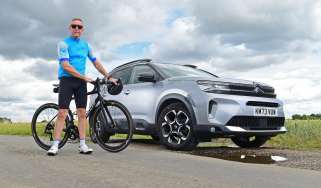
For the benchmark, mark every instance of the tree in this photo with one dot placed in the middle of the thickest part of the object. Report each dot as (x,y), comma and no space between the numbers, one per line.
(306,117)
(5,120)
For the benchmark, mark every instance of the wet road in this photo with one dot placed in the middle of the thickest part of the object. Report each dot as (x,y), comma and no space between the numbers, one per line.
(23,164)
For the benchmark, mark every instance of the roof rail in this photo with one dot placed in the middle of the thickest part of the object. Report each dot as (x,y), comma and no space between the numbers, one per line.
(138,60)
(193,66)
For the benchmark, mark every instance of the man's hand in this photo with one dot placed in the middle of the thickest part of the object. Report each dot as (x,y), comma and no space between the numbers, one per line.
(113,80)
(87,79)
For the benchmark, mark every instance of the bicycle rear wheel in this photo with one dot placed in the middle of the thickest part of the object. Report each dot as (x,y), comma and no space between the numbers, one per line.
(43,124)
(113,137)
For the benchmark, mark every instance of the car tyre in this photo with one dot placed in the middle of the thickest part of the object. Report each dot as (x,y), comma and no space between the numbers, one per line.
(175,128)
(250,141)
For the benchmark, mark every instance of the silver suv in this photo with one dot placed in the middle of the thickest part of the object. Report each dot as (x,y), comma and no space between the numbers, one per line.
(181,105)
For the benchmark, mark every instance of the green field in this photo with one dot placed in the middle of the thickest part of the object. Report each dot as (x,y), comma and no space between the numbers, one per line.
(23,129)
(302,134)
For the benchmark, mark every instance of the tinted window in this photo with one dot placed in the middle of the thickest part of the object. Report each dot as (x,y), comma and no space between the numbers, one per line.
(172,70)
(141,69)
(123,74)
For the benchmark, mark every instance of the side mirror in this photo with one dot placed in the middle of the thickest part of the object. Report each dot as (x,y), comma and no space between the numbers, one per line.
(146,77)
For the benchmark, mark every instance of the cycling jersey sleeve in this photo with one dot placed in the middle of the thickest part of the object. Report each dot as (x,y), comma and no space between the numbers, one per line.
(63,54)
(90,54)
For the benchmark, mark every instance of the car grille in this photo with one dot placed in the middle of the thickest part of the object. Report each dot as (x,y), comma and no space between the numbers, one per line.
(257,123)
(253,90)
(256,90)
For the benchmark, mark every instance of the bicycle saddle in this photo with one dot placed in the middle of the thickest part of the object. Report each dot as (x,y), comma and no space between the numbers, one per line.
(56,88)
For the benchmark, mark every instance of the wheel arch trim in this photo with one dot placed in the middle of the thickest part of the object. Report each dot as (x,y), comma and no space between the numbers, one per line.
(172,98)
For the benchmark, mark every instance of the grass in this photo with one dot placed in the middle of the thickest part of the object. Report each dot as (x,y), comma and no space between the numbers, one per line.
(22,129)
(302,134)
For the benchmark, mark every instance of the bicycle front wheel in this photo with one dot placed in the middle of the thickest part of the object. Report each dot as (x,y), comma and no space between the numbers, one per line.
(43,124)
(114,130)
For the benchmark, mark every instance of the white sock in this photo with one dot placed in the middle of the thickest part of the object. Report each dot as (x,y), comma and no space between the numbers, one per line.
(82,142)
(56,143)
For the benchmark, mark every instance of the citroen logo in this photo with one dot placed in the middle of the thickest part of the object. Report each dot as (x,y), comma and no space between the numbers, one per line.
(258,89)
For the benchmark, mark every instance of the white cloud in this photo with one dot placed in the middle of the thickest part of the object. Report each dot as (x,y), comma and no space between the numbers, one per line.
(276,42)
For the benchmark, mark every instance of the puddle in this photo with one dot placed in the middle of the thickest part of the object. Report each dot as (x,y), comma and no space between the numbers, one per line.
(258,156)
(241,156)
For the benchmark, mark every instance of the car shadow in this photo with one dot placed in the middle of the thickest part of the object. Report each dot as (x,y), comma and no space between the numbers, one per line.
(144,141)
(263,155)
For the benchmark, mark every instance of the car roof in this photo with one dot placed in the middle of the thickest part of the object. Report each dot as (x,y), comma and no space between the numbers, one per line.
(132,63)
(150,61)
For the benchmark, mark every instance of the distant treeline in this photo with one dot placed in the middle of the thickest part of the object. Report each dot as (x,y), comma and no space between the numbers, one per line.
(306,117)
(5,120)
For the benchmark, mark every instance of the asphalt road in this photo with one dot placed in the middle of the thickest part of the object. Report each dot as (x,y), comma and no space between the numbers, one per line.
(23,164)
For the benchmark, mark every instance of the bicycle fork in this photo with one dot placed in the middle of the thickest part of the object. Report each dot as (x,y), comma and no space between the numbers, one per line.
(107,113)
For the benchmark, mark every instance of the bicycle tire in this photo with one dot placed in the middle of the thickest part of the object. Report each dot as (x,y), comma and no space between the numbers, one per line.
(36,122)
(91,131)
(123,126)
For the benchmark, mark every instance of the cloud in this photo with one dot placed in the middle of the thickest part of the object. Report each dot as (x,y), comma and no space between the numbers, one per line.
(277,42)
(34,32)
(250,34)
(43,70)
(260,25)
(9,99)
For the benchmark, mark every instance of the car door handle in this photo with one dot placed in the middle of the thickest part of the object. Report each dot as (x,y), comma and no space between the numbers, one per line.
(127,92)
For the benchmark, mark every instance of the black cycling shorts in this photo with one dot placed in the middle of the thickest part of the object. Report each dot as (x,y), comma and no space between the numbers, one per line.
(72,86)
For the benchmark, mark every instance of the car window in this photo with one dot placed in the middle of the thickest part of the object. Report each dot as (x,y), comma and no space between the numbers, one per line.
(123,74)
(172,70)
(140,69)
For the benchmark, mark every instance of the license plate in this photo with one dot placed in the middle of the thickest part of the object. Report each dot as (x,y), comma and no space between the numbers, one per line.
(264,111)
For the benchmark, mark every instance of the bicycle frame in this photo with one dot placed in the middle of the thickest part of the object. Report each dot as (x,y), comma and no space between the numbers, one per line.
(100,101)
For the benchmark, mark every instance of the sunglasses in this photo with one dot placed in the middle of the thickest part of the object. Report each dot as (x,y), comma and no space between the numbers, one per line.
(76,26)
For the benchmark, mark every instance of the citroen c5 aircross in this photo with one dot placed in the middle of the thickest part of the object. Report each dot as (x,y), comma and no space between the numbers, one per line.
(181,105)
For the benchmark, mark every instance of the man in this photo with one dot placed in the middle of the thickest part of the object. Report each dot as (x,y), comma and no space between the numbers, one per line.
(72,54)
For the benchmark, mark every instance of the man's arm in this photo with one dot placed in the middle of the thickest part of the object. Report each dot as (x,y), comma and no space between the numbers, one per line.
(101,68)
(71,70)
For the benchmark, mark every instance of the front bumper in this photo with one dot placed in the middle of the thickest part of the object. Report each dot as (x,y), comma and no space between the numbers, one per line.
(219,131)
(219,115)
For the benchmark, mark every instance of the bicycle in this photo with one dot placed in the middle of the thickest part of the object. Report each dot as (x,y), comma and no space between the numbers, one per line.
(110,123)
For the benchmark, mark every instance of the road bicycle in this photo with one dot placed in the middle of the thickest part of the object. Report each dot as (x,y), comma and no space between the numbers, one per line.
(110,123)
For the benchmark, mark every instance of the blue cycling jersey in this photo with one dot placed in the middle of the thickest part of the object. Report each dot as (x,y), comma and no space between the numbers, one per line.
(75,51)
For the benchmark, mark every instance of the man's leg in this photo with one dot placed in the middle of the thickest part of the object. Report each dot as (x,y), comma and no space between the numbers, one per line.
(81,112)
(82,124)
(65,95)
(60,122)
(81,103)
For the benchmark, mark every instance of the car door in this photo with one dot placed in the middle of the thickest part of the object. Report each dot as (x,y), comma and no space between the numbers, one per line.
(124,75)
(141,96)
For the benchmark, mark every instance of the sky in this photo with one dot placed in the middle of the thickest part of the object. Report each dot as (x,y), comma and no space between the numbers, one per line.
(275,42)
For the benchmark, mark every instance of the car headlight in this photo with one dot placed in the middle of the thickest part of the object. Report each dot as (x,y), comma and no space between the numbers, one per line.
(210,86)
